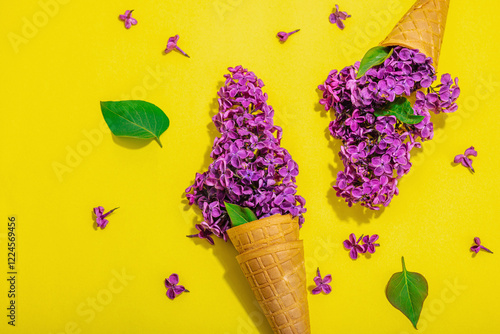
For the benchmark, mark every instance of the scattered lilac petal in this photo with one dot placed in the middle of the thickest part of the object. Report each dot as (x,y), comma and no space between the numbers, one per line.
(337,17)
(100,216)
(464,158)
(173,289)
(283,36)
(172,45)
(128,19)
(477,247)
(322,283)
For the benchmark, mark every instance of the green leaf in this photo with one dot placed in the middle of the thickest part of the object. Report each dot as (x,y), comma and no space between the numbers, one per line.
(135,118)
(407,291)
(375,56)
(401,108)
(239,215)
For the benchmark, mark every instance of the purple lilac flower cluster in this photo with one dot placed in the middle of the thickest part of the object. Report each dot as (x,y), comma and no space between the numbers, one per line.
(375,151)
(249,166)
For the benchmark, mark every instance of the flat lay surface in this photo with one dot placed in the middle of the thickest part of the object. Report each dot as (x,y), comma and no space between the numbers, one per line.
(59,161)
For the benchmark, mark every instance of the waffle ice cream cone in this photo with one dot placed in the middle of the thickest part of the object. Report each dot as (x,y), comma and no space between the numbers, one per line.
(272,259)
(422,28)
(264,232)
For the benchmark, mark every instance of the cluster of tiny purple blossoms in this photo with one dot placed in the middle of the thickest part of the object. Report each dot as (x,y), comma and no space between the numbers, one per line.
(375,151)
(249,166)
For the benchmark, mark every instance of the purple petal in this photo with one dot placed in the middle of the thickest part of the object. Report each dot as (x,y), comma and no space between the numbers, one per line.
(360,249)
(347,244)
(173,279)
(353,253)
(477,241)
(471,151)
(459,158)
(374,238)
(171,293)
(352,238)
(340,24)
(327,279)
(318,280)
(316,290)
(333,18)
(99,211)
(178,289)
(475,249)
(326,288)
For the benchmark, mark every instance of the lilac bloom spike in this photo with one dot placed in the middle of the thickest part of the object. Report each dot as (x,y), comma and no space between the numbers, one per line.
(322,284)
(249,166)
(337,17)
(283,36)
(172,45)
(100,219)
(353,245)
(128,19)
(173,289)
(375,150)
(477,247)
(464,158)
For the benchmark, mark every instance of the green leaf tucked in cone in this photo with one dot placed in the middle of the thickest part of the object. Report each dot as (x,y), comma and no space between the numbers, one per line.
(375,56)
(407,291)
(239,215)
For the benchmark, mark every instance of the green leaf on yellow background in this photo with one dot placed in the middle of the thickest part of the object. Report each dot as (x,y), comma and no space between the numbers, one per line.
(407,291)
(135,118)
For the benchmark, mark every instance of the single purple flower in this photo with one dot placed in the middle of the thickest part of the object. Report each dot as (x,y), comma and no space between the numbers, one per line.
(464,158)
(369,243)
(283,36)
(322,284)
(128,19)
(205,232)
(354,246)
(173,289)
(100,216)
(337,17)
(477,247)
(172,45)
(382,165)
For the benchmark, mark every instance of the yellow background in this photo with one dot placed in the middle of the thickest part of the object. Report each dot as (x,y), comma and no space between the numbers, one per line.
(53,77)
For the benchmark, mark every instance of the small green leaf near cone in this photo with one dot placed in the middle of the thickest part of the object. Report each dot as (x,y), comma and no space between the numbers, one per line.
(239,215)
(375,56)
(407,291)
(135,119)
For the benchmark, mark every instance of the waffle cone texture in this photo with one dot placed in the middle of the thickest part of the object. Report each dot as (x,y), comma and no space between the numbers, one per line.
(272,259)
(422,28)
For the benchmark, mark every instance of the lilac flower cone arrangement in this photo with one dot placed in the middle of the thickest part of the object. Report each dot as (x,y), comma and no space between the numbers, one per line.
(249,166)
(251,169)
(374,119)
